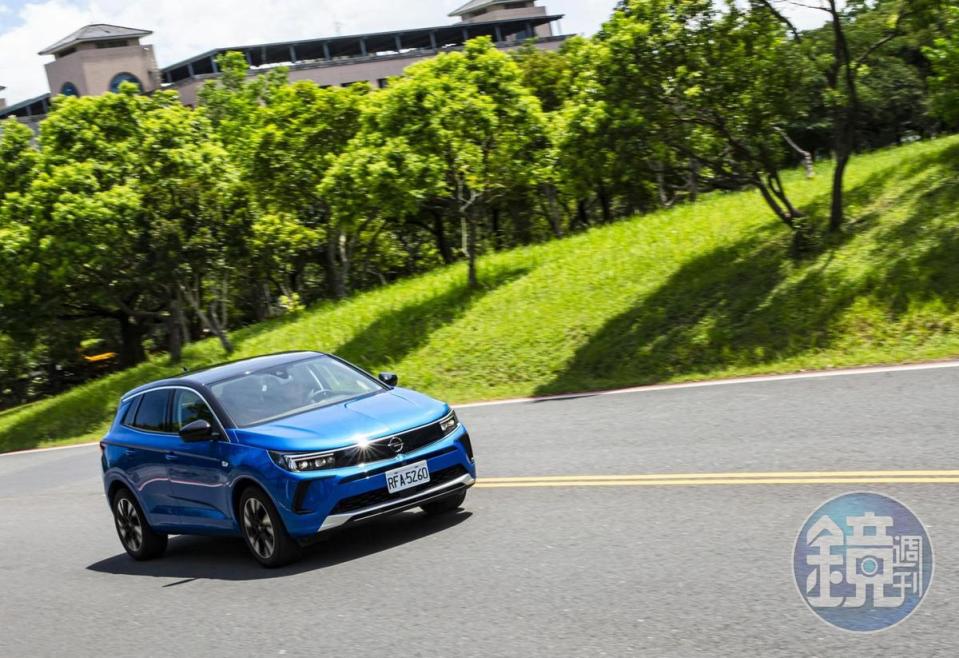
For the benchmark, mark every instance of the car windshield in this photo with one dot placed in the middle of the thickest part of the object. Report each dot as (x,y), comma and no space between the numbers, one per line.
(259,396)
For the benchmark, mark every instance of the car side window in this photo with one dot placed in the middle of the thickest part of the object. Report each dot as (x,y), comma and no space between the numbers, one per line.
(131,411)
(152,412)
(188,407)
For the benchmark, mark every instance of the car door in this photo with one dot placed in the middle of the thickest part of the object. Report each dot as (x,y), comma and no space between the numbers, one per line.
(146,441)
(198,471)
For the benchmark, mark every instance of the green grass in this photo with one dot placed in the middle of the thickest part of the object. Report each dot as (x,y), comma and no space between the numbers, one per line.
(699,291)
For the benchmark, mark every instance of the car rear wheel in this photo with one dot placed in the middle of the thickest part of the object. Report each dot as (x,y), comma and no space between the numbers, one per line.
(139,540)
(448,504)
(264,532)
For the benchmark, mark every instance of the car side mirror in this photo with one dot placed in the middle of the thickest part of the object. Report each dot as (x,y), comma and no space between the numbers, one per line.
(389,378)
(198,430)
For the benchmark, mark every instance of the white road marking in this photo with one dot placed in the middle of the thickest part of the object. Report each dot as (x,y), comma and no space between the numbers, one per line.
(713,479)
(817,374)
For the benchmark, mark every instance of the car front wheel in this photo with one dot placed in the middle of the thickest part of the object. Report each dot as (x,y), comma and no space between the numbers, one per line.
(264,532)
(136,535)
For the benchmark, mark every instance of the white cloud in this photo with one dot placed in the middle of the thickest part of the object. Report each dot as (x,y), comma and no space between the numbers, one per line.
(21,69)
(183,28)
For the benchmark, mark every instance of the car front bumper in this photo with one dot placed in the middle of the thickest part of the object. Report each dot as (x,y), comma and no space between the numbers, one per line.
(462,483)
(313,503)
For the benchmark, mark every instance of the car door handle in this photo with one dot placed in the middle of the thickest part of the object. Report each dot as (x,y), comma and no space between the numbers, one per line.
(170,457)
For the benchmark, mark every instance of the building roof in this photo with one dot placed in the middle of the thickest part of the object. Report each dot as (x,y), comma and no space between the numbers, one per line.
(38,105)
(95,32)
(351,48)
(475,5)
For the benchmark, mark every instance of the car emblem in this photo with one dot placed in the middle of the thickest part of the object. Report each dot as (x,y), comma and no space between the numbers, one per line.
(395,444)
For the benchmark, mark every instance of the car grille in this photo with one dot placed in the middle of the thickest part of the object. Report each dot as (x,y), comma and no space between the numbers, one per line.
(413,439)
(421,436)
(378,496)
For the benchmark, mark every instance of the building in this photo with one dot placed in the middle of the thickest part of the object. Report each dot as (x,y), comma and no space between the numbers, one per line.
(97,58)
(480,11)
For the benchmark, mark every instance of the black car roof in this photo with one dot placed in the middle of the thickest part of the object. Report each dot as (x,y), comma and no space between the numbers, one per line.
(215,373)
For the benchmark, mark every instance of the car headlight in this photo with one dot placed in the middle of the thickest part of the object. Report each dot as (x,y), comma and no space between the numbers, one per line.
(300,463)
(449,423)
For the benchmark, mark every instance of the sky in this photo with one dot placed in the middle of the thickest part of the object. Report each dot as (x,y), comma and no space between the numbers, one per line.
(183,28)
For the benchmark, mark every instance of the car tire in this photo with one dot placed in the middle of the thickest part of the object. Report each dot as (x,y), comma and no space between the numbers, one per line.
(140,541)
(263,530)
(445,505)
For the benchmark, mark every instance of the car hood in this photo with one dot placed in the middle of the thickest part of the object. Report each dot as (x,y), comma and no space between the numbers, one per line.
(344,424)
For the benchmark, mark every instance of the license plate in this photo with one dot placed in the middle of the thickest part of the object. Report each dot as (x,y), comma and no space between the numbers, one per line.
(406,477)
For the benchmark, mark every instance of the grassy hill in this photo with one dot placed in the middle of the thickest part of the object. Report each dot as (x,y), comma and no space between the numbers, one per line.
(699,291)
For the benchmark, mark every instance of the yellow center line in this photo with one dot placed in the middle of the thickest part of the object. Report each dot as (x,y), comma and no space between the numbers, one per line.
(701,479)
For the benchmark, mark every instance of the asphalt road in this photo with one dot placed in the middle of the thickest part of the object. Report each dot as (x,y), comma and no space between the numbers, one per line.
(546,570)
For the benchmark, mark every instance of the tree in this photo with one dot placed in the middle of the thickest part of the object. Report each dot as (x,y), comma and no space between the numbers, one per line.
(686,93)
(944,56)
(234,100)
(472,126)
(192,209)
(546,73)
(302,130)
(841,61)
(283,137)
(738,88)
(124,210)
(17,168)
(599,141)
(18,157)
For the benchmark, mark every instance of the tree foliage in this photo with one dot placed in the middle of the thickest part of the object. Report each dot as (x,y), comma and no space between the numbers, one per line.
(467,129)
(127,208)
(944,56)
(133,223)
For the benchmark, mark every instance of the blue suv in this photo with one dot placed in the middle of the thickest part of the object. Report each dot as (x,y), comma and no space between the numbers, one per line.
(279,449)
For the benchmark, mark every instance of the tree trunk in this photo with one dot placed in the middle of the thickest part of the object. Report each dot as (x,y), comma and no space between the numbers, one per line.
(836,210)
(495,226)
(334,278)
(844,119)
(773,204)
(605,203)
(175,331)
(345,251)
(803,153)
(442,244)
(581,215)
(693,179)
(131,342)
(225,304)
(664,199)
(552,211)
(263,302)
(776,186)
(208,321)
(470,243)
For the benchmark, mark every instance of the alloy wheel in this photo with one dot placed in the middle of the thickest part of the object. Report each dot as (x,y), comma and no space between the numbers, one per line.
(259,528)
(129,525)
